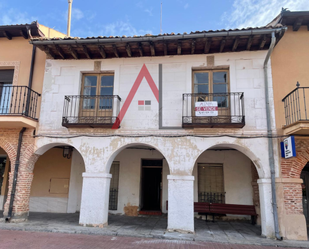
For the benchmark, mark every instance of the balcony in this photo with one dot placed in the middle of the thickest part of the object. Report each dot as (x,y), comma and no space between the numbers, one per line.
(296,114)
(213,110)
(18,107)
(90,111)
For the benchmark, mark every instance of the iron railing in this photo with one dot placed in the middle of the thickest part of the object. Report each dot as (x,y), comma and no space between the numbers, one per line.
(221,110)
(113,199)
(90,111)
(211,197)
(295,105)
(18,100)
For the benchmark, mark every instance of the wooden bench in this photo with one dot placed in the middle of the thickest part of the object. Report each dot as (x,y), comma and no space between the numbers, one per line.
(218,208)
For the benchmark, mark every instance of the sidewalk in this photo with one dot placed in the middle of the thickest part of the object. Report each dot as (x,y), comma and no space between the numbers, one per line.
(151,227)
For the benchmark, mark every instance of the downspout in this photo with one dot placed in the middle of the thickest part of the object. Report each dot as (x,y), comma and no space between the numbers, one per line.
(20,139)
(270,140)
(30,80)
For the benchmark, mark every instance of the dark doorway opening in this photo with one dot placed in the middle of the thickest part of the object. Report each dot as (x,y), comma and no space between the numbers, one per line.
(151,184)
(305,189)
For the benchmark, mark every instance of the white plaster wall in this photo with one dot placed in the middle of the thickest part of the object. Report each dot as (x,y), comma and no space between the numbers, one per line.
(246,75)
(76,182)
(236,173)
(129,193)
(1,202)
(48,204)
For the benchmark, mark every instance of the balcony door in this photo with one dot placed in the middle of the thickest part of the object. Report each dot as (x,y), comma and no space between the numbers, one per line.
(97,97)
(6,80)
(212,86)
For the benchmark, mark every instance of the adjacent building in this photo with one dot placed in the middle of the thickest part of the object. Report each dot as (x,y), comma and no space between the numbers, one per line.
(289,62)
(21,79)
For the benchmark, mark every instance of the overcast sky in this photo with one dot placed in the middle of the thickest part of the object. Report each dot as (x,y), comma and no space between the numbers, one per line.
(115,17)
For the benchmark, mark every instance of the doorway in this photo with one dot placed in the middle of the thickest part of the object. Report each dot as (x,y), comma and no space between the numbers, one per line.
(151,184)
(305,191)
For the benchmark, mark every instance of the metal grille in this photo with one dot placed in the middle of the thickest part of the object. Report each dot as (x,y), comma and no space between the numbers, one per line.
(18,100)
(113,199)
(113,192)
(211,197)
(230,109)
(295,105)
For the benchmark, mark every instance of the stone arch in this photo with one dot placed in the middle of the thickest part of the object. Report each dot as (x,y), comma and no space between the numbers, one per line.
(9,149)
(115,153)
(41,150)
(246,151)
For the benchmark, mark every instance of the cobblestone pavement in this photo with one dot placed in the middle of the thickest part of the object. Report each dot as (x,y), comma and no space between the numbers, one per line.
(36,240)
(151,227)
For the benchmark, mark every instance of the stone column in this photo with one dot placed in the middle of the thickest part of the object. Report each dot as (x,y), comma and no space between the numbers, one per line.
(95,198)
(180,203)
(267,218)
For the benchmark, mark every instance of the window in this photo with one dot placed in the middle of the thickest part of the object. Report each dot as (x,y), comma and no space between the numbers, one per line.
(210,183)
(113,191)
(214,84)
(97,91)
(6,79)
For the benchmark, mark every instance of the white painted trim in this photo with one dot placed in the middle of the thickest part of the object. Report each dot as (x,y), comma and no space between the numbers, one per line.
(183,178)
(96,175)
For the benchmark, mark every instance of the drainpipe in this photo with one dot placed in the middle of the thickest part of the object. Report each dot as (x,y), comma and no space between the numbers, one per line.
(270,140)
(30,80)
(20,139)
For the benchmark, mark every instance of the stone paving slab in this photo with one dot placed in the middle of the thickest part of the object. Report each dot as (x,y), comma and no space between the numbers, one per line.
(151,227)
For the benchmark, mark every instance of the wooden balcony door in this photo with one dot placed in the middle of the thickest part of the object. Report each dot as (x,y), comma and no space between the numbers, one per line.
(97,91)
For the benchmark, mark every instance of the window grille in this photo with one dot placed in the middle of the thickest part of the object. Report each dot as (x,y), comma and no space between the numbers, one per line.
(113,192)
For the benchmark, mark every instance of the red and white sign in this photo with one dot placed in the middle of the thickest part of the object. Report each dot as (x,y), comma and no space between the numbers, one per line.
(208,108)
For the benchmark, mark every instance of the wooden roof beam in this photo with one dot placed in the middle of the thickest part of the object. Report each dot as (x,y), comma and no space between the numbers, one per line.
(102,51)
(235,45)
(297,24)
(73,52)
(115,51)
(152,49)
(140,49)
(60,52)
(222,44)
(129,52)
(263,41)
(23,34)
(7,35)
(165,48)
(179,48)
(49,52)
(86,51)
(207,45)
(249,43)
(193,47)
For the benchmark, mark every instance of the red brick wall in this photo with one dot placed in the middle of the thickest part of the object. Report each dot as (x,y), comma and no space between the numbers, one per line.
(9,142)
(291,168)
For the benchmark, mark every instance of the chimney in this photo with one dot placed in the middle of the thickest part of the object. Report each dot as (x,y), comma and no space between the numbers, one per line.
(69,17)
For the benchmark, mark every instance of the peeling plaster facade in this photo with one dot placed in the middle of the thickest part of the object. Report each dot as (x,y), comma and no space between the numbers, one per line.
(180,148)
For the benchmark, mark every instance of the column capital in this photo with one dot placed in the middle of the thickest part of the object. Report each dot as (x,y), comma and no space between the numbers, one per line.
(179,177)
(96,175)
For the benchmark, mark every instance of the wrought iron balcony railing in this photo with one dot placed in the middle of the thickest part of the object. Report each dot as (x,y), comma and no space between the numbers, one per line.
(18,100)
(295,105)
(90,111)
(213,110)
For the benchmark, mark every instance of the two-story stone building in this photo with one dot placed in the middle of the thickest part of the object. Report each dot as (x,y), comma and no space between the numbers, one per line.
(128,123)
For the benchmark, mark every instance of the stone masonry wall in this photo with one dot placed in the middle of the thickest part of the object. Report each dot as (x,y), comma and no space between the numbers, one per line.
(291,168)
(9,142)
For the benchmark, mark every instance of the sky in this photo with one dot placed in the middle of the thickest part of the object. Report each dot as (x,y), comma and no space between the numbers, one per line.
(112,18)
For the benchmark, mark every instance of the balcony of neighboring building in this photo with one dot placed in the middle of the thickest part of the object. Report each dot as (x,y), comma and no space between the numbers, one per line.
(213,110)
(94,111)
(296,105)
(18,106)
